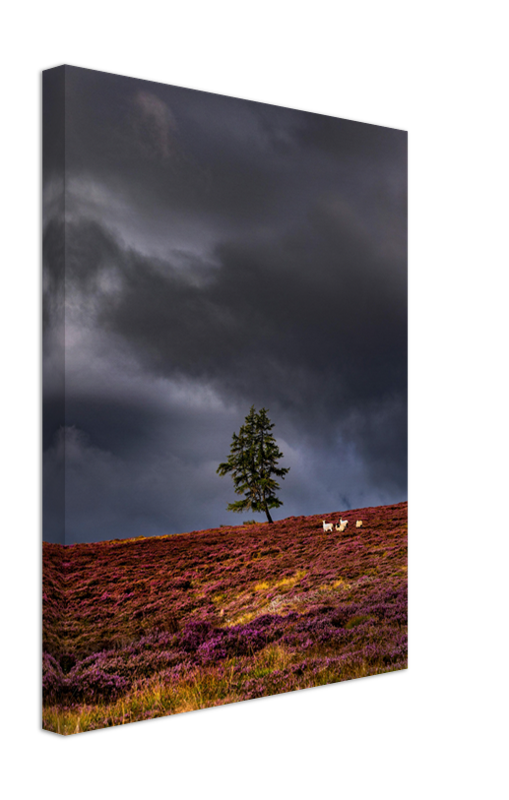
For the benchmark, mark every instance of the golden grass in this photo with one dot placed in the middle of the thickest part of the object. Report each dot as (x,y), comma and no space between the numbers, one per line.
(341,584)
(243,618)
(202,688)
(284,583)
(246,606)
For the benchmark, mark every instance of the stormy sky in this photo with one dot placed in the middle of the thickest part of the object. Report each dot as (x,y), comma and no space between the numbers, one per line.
(204,254)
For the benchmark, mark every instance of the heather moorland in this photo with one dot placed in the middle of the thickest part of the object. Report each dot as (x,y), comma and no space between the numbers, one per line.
(141,628)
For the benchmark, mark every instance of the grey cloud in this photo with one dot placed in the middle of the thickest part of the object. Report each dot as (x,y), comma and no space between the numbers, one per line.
(348,140)
(317,305)
(221,253)
(53,272)
(232,161)
(126,134)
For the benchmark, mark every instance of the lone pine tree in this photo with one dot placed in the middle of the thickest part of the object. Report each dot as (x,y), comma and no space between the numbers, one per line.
(253,461)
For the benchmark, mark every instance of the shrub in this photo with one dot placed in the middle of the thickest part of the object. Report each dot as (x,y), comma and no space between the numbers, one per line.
(194,635)
(52,678)
(357,620)
(94,685)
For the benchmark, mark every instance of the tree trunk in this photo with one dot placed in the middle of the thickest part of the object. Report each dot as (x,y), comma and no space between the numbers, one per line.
(268,514)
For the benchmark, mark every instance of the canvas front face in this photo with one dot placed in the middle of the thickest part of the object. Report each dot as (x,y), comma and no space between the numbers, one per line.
(225,400)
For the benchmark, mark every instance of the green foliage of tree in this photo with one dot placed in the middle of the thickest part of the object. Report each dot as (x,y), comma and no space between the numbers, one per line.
(253,461)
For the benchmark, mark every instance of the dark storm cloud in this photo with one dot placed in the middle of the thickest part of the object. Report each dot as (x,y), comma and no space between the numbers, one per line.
(237,162)
(90,250)
(165,145)
(345,140)
(315,314)
(53,129)
(53,264)
(221,253)
(53,242)
(119,425)
(53,271)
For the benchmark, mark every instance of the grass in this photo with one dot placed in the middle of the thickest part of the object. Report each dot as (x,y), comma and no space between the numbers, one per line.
(163,625)
(205,688)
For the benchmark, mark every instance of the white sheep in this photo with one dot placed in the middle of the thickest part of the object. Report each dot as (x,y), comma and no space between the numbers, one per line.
(327,526)
(358,524)
(342,525)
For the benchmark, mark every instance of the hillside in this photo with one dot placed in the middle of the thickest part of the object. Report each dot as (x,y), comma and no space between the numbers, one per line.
(155,626)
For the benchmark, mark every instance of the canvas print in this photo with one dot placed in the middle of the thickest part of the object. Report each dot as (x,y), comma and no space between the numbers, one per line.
(225,400)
